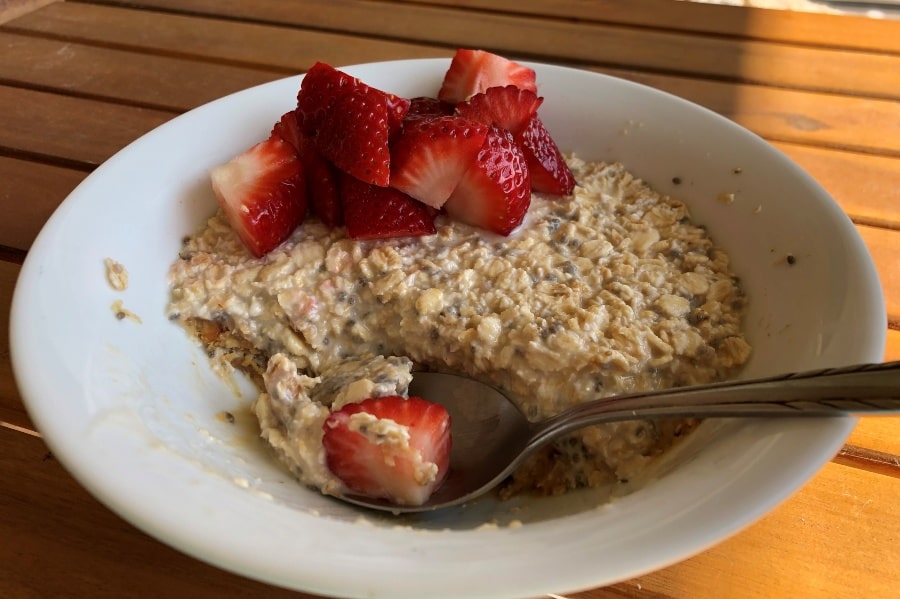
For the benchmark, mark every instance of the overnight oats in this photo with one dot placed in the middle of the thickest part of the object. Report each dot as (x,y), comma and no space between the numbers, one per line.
(607,289)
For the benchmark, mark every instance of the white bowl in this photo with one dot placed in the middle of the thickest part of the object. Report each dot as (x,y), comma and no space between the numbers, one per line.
(130,408)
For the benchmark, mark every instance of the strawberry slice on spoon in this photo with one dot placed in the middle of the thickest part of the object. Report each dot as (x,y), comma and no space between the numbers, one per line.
(389,448)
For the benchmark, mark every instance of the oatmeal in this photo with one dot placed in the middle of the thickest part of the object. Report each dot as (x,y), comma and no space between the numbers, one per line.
(611,290)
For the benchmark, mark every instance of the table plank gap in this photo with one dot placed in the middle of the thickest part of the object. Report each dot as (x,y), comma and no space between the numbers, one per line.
(12,255)
(17,421)
(870,460)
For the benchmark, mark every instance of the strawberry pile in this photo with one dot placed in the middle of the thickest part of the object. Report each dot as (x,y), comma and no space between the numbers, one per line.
(403,468)
(384,166)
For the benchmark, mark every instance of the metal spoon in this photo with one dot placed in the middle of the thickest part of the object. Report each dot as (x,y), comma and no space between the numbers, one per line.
(491,437)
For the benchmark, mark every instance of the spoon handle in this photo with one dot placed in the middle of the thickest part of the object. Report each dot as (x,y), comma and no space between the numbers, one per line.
(853,390)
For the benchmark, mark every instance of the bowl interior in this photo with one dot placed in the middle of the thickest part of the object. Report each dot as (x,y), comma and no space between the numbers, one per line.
(134,412)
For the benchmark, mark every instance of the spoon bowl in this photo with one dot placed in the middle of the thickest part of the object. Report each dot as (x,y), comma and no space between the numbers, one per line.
(491,437)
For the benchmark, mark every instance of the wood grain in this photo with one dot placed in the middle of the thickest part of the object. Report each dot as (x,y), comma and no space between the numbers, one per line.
(13,9)
(31,191)
(834,31)
(794,116)
(867,187)
(100,555)
(159,82)
(819,68)
(883,244)
(74,131)
(842,122)
(892,349)
(275,48)
(826,541)
(10,400)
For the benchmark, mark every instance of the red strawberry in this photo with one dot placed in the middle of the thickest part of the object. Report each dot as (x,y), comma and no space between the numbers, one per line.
(474,71)
(322,185)
(323,84)
(495,191)
(397,108)
(549,172)
(322,194)
(507,107)
(427,108)
(430,156)
(263,193)
(373,212)
(288,128)
(371,461)
(353,134)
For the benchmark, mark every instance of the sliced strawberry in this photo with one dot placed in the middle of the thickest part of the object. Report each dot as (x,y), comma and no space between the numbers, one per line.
(397,108)
(495,192)
(353,134)
(424,107)
(318,90)
(322,193)
(430,156)
(288,129)
(473,71)
(262,193)
(548,168)
(323,84)
(374,212)
(365,449)
(322,185)
(507,107)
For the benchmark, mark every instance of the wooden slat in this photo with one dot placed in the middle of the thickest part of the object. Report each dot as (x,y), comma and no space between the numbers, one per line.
(790,115)
(857,72)
(76,130)
(159,82)
(867,187)
(837,533)
(270,47)
(869,460)
(31,191)
(110,559)
(13,9)
(892,349)
(884,245)
(10,400)
(842,31)
(879,433)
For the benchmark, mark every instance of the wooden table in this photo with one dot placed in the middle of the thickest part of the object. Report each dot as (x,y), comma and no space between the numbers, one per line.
(80,80)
